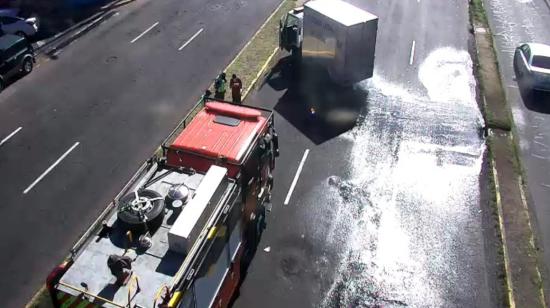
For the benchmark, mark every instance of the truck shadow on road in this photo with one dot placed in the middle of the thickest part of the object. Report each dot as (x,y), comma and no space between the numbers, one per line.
(314,105)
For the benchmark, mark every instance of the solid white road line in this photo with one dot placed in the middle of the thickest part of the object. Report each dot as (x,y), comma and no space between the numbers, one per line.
(144,32)
(51,167)
(287,199)
(10,135)
(411,59)
(192,38)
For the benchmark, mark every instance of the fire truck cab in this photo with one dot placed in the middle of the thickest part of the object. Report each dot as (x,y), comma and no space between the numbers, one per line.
(185,227)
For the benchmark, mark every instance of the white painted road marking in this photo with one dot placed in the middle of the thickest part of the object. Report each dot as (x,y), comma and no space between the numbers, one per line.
(287,199)
(51,167)
(192,38)
(10,135)
(411,59)
(144,32)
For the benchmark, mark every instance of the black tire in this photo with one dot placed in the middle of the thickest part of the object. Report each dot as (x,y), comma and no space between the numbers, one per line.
(2,84)
(27,66)
(132,221)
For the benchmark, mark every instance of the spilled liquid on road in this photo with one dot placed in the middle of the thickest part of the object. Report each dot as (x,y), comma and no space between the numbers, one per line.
(409,215)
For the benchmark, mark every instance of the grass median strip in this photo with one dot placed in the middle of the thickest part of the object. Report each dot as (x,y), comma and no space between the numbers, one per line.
(522,281)
(496,110)
(254,58)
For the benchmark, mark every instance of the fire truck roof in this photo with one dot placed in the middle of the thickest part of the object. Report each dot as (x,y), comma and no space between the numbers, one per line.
(221,130)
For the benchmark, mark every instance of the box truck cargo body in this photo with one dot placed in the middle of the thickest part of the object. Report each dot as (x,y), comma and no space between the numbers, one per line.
(341,38)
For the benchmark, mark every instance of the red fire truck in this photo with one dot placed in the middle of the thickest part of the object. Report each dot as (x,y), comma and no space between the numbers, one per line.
(184,228)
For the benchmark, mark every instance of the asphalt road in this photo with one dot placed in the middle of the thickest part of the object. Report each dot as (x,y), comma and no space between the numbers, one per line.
(390,212)
(94,114)
(514,22)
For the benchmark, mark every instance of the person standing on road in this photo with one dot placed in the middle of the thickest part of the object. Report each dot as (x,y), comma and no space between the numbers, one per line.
(236,86)
(219,86)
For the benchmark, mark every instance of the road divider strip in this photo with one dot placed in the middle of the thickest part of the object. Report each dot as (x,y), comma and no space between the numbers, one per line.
(255,58)
(296,176)
(10,135)
(520,268)
(50,168)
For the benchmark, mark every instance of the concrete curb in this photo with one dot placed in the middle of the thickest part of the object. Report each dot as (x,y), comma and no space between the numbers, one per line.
(63,39)
(262,71)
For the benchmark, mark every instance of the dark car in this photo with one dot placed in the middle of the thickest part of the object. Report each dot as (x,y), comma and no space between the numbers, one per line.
(16,57)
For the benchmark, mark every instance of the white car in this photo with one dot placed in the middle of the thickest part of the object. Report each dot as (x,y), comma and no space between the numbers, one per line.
(19,26)
(532,66)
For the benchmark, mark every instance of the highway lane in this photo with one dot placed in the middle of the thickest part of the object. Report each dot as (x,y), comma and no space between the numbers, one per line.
(514,22)
(118,100)
(389,213)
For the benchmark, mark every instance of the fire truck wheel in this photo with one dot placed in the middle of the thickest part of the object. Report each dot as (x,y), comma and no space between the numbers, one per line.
(130,213)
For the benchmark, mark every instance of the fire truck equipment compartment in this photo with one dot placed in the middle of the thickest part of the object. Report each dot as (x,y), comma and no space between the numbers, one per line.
(187,226)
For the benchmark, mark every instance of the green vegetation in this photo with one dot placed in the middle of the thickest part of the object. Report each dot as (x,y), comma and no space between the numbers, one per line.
(251,61)
(40,300)
(477,12)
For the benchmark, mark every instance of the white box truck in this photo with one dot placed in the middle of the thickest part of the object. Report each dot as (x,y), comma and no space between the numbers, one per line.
(334,35)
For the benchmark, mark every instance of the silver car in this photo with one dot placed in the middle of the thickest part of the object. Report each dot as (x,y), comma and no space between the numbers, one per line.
(19,26)
(532,66)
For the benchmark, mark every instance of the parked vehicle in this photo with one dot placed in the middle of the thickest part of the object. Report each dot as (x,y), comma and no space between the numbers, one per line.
(10,23)
(332,34)
(532,66)
(16,57)
(183,230)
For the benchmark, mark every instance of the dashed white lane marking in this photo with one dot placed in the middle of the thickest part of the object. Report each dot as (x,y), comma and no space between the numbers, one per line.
(298,171)
(51,167)
(192,38)
(144,32)
(10,135)
(411,59)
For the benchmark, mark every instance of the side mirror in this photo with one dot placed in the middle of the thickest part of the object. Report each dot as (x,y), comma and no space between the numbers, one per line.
(275,142)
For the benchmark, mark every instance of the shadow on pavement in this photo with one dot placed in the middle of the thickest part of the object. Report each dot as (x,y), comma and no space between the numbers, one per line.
(317,107)
(56,16)
(536,101)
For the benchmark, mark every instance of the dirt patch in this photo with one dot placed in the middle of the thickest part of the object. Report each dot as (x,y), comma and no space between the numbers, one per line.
(522,280)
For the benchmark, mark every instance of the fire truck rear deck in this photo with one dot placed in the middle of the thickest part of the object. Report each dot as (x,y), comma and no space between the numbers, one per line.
(190,254)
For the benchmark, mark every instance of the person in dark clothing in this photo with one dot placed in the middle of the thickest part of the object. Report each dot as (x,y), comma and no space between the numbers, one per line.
(219,86)
(120,267)
(236,86)
(206,95)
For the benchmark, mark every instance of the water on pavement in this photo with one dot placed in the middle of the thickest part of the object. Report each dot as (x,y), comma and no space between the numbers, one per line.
(408,224)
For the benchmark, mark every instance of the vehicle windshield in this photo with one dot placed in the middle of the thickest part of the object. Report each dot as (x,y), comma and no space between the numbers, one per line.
(292,21)
(541,62)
